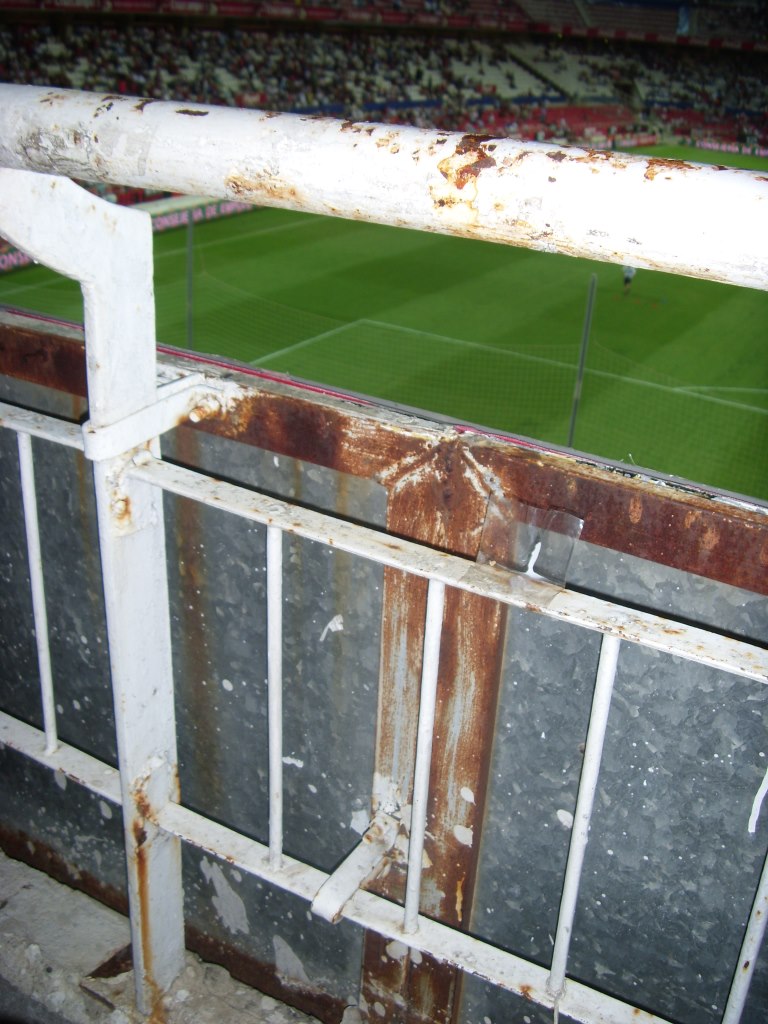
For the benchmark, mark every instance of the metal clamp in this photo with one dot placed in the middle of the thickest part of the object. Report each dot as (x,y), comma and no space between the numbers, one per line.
(186,398)
(362,864)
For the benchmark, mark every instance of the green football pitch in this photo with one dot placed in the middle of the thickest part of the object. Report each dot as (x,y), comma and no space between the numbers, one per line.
(677,370)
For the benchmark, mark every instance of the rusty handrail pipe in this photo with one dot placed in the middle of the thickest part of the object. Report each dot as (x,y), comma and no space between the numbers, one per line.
(669,215)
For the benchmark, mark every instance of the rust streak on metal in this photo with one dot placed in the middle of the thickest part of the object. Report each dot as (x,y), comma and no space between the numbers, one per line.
(32,851)
(197,654)
(471,156)
(193,113)
(139,833)
(258,974)
(439,498)
(142,803)
(38,355)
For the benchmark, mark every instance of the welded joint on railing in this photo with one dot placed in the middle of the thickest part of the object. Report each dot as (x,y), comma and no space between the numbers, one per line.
(191,397)
(157,784)
(362,865)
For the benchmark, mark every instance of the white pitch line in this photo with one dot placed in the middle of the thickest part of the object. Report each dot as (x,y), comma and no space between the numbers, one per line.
(717,387)
(304,343)
(605,374)
(462,342)
(57,282)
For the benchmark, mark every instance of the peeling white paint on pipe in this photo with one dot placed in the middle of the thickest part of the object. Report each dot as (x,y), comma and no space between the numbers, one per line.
(275,691)
(593,753)
(658,214)
(37,586)
(431,660)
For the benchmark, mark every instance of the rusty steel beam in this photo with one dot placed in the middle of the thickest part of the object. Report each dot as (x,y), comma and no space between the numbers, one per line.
(667,215)
(439,499)
(680,526)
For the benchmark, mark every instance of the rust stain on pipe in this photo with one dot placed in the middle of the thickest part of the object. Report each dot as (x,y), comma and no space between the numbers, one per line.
(261,186)
(156,1008)
(471,156)
(657,165)
(437,497)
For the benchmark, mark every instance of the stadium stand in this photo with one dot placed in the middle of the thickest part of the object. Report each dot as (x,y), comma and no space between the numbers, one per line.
(554,12)
(538,85)
(731,21)
(634,19)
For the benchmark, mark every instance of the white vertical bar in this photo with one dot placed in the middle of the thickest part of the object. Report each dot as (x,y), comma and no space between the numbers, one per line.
(108,249)
(432,635)
(275,694)
(593,752)
(750,950)
(34,556)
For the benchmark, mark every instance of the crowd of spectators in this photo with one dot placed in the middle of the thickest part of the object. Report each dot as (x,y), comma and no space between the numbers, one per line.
(432,80)
(731,20)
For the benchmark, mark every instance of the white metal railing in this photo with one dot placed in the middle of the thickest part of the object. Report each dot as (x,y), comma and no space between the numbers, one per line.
(341,893)
(495,189)
(661,214)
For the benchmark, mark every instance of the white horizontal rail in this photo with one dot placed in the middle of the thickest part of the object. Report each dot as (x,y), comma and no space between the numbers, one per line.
(579,1002)
(663,215)
(473,955)
(95,775)
(37,424)
(514,589)
(517,590)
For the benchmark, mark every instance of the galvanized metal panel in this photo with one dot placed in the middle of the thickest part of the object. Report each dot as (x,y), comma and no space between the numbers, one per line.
(671,868)
(554,663)
(74,592)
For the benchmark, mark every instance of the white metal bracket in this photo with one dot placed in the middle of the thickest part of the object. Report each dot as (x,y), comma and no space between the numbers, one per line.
(186,398)
(361,865)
